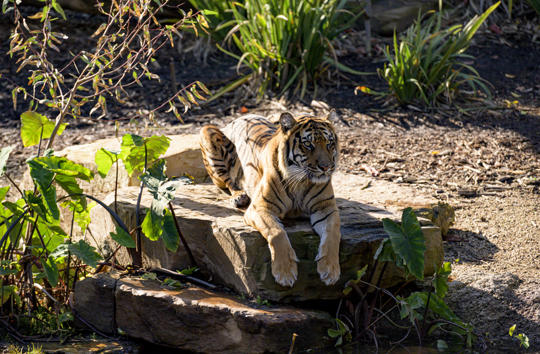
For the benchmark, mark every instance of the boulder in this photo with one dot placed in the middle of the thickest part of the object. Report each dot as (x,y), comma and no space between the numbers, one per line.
(237,256)
(199,320)
(203,321)
(94,302)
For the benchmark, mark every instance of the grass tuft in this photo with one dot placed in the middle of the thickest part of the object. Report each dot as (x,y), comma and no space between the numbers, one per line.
(428,66)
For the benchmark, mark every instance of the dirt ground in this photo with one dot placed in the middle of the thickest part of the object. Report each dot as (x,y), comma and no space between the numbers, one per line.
(486,164)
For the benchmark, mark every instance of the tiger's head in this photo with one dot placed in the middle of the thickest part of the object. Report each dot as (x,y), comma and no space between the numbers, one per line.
(309,150)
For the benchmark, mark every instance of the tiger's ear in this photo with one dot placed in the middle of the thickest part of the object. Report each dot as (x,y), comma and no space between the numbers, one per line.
(287,121)
(332,116)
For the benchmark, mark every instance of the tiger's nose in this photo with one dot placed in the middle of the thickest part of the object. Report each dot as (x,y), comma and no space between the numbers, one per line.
(325,166)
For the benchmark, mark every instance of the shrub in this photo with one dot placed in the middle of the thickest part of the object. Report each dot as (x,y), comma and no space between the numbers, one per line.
(428,64)
(286,44)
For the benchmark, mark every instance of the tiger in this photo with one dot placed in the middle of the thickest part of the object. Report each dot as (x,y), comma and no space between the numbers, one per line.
(280,170)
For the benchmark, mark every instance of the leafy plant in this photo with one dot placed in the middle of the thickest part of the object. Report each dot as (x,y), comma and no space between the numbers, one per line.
(428,65)
(40,259)
(522,337)
(365,304)
(342,333)
(218,15)
(284,44)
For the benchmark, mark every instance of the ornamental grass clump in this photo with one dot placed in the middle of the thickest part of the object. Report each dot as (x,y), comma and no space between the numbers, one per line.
(285,44)
(428,66)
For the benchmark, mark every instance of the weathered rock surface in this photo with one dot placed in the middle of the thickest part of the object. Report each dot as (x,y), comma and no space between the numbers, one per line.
(183,156)
(237,255)
(94,301)
(199,320)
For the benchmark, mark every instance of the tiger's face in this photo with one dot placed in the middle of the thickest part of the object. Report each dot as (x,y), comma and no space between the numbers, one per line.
(311,148)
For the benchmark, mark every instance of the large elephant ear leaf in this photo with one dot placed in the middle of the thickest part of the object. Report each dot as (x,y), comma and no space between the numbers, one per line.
(35,126)
(408,241)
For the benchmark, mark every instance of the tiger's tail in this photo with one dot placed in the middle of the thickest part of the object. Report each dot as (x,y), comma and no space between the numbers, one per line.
(222,163)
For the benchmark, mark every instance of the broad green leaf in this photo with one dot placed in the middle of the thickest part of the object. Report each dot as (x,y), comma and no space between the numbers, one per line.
(70,185)
(6,291)
(408,241)
(85,253)
(42,177)
(40,204)
(53,235)
(35,125)
(51,270)
(104,160)
(136,150)
(123,238)
(63,166)
(163,191)
(4,155)
(3,192)
(333,333)
(170,234)
(152,225)
(49,197)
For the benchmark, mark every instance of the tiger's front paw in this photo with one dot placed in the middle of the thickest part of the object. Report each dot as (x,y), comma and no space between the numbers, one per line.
(240,200)
(284,268)
(329,269)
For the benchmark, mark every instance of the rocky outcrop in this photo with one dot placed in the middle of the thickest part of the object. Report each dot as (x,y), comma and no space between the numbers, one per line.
(237,256)
(197,319)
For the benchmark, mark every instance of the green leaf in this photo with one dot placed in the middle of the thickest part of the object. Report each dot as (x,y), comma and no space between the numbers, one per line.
(511,330)
(82,217)
(51,270)
(6,291)
(408,241)
(333,333)
(63,166)
(135,148)
(152,225)
(58,9)
(3,192)
(104,160)
(34,126)
(85,253)
(4,155)
(123,238)
(70,185)
(170,234)
(49,197)
(440,281)
(523,340)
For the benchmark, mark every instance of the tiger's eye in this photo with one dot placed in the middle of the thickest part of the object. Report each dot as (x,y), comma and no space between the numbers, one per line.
(308,145)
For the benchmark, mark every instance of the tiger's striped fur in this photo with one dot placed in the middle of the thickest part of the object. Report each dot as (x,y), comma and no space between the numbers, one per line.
(277,171)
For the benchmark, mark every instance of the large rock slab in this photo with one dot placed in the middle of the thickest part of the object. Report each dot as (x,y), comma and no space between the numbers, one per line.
(94,301)
(237,255)
(197,319)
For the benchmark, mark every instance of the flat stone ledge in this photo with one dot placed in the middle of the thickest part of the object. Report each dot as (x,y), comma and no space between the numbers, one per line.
(237,255)
(197,319)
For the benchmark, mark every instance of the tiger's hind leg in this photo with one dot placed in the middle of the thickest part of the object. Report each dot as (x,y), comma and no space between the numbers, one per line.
(222,164)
